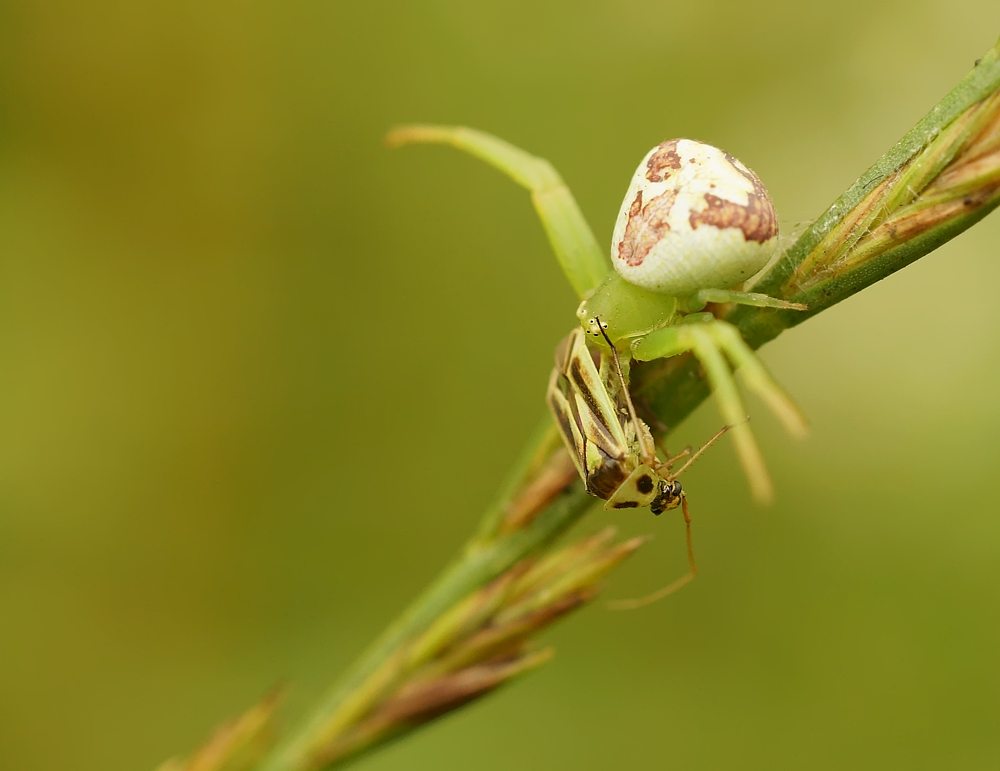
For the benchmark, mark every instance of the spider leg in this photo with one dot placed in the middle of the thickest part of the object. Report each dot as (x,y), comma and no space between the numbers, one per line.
(734,413)
(757,378)
(704,296)
(581,258)
(697,338)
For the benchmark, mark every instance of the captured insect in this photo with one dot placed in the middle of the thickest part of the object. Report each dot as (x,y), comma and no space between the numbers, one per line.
(612,449)
(695,225)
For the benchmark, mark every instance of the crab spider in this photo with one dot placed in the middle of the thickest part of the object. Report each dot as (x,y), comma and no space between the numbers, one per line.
(694,224)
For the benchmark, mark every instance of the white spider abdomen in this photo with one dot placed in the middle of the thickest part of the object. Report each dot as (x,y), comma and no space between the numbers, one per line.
(693,218)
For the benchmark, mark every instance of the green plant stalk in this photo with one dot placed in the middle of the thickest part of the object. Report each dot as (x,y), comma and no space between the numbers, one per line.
(385,728)
(482,642)
(671,389)
(482,560)
(982,83)
(813,273)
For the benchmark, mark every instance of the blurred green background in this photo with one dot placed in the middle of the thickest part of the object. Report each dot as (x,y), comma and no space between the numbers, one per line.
(260,375)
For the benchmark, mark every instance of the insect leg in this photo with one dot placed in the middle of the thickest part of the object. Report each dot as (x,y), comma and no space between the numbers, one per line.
(757,378)
(697,455)
(580,256)
(670,588)
(670,460)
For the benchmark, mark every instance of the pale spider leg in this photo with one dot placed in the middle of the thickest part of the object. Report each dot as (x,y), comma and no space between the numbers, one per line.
(671,341)
(669,589)
(757,379)
(755,299)
(647,452)
(720,378)
(580,256)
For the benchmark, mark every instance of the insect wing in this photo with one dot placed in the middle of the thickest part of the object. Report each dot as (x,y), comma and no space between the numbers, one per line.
(588,419)
(602,422)
(567,422)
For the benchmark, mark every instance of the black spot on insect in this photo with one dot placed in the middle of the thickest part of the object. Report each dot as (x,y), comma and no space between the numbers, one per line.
(626,505)
(644,484)
(967,202)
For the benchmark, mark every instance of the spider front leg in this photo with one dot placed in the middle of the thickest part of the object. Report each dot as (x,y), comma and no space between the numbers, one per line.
(712,342)
(702,297)
(757,378)
(572,240)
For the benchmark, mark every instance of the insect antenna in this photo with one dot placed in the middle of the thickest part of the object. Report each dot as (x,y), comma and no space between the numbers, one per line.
(693,458)
(648,453)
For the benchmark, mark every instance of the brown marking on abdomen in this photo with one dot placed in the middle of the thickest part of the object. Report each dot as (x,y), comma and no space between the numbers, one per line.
(757,219)
(646,225)
(662,160)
